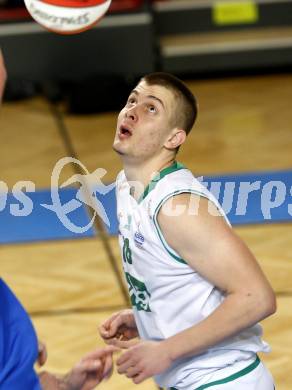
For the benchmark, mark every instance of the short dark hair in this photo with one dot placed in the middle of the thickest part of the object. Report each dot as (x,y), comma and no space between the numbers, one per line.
(187,109)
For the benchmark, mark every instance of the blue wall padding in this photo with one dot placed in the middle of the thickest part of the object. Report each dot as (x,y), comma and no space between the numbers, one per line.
(270,201)
(41,224)
(110,206)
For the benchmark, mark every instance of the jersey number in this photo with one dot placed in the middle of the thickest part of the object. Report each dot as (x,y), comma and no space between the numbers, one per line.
(127,253)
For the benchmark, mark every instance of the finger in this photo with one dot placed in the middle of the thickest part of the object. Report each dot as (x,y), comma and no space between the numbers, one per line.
(89,366)
(114,327)
(103,330)
(107,367)
(42,358)
(100,352)
(133,371)
(42,354)
(111,342)
(124,367)
(139,378)
(104,327)
(110,349)
(124,358)
(114,342)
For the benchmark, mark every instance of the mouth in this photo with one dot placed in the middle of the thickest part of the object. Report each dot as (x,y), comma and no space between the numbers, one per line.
(124,132)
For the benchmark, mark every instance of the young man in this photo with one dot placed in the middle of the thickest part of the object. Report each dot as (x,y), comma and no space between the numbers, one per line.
(197,291)
(19,347)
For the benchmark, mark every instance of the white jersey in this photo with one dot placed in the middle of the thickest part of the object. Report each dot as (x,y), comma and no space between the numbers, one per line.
(167,295)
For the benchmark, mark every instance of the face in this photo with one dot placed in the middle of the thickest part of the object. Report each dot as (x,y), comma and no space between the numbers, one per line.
(2,76)
(144,124)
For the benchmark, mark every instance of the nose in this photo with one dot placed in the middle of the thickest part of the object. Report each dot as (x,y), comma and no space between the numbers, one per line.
(131,114)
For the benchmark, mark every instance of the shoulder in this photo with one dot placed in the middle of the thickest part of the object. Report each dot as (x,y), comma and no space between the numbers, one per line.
(181,181)
(176,182)
(189,211)
(120,176)
(183,189)
(121,181)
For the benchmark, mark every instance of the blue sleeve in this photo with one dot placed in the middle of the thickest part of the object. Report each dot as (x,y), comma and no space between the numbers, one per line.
(18,344)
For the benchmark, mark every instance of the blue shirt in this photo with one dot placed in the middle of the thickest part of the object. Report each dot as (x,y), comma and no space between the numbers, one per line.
(18,344)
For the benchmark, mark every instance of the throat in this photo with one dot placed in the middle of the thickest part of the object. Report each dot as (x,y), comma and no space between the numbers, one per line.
(141,179)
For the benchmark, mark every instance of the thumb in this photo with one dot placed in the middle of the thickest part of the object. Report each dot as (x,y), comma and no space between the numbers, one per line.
(114,326)
(88,366)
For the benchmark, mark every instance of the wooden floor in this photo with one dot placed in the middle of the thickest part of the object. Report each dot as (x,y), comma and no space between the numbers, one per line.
(69,287)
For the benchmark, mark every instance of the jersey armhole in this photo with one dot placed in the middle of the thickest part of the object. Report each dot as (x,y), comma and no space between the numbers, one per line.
(168,248)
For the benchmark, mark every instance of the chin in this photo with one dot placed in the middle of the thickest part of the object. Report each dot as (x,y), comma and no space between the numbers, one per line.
(117,150)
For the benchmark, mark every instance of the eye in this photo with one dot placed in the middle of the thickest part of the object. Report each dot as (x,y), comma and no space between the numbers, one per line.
(152,109)
(131,100)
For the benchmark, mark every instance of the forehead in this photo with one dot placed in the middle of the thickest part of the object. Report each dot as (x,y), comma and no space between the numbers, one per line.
(160,92)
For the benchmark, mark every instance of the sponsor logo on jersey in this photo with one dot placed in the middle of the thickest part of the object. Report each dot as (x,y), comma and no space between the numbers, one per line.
(139,239)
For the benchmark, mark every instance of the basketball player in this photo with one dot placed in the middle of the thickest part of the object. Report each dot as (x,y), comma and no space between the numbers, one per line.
(19,347)
(196,290)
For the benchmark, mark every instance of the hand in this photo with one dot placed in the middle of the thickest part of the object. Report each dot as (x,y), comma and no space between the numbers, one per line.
(42,353)
(120,325)
(91,370)
(143,360)
(85,375)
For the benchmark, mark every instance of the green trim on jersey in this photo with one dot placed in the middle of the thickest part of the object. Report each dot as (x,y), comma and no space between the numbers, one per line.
(159,232)
(230,378)
(176,166)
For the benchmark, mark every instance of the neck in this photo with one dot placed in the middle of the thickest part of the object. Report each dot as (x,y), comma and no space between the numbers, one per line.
(143,172)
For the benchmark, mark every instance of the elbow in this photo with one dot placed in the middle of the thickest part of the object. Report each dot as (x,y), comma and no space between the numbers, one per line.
(268,304)
(273,304)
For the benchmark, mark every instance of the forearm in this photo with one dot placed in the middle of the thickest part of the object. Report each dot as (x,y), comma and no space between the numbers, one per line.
(50,381)
(236,313)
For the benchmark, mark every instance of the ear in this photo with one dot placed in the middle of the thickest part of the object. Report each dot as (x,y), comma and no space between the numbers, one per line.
(176,138)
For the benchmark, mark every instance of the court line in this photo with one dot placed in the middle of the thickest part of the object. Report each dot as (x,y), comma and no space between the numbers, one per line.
(77,310)
(283,293)
(105,239)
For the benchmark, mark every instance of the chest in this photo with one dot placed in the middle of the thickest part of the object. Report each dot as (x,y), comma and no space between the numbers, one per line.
(136,235)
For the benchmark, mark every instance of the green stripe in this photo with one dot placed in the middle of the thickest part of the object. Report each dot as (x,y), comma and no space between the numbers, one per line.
(159,232)
(176,166)
(230,378)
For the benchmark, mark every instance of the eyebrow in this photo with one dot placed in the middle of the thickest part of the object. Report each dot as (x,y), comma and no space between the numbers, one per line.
(149,96)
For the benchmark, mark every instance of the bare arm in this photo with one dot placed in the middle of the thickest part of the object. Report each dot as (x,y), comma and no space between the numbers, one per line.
(212,248)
